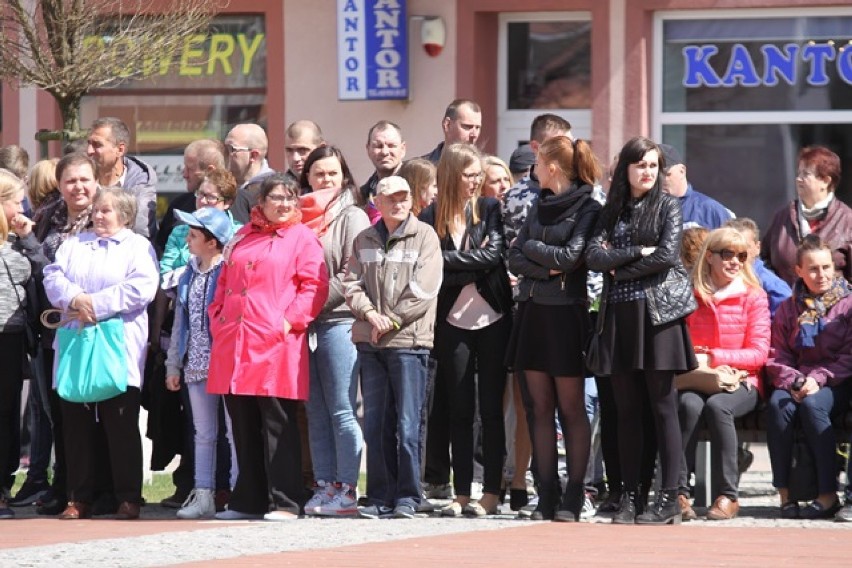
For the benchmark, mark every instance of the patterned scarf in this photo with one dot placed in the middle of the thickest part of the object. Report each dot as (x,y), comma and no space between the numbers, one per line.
(321,207)
(812,308)
(264,225)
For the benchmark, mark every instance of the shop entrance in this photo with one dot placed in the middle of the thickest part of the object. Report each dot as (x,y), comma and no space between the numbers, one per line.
(544,65)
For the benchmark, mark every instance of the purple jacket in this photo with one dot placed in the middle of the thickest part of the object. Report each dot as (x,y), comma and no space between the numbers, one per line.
(829,362)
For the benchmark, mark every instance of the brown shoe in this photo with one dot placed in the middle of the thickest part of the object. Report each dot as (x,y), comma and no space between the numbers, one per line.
(127,511)
(723,509)
(76,510)
(686,509)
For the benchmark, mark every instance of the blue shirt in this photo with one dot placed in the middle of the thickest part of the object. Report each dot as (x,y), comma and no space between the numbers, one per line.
(701,210)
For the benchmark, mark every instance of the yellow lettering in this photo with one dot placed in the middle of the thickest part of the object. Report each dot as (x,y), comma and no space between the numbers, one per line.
(158,61)
(221,48)
(249,50)
(122,51)
(190,51)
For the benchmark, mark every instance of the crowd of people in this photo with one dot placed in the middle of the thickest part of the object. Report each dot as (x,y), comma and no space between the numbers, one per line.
(482,310)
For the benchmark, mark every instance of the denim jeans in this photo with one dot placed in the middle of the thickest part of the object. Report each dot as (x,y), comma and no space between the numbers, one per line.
(40,423)
(333,430)
(814,412)
(393,385)
(205,422)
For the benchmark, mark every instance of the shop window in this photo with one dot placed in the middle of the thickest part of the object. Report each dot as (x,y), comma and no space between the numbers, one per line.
(740,95)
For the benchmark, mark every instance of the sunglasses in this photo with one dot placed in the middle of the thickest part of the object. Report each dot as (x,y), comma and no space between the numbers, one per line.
(728,254)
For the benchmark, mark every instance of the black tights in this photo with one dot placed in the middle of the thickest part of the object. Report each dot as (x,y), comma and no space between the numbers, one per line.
(664,407)
(568,394)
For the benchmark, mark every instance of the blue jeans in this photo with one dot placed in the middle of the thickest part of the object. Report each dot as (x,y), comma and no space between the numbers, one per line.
(393,385)
(205,422)
(333,430)
(814,412)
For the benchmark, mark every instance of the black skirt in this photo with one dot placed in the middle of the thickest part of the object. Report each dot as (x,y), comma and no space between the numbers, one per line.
(630,342)
(550,339)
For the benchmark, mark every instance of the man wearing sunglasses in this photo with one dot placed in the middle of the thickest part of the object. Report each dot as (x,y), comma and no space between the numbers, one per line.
(699,210)
(245,150)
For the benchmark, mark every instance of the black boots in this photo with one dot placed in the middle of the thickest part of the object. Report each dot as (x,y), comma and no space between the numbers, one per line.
(548,495)
(666,510)
(626,514)
(571,503)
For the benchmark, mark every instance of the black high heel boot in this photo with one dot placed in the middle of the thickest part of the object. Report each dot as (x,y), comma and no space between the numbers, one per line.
(665,510)
(548,496)
(626,514)
(571,503)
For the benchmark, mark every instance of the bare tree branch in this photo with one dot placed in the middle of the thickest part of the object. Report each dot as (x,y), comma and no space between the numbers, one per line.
(69,47)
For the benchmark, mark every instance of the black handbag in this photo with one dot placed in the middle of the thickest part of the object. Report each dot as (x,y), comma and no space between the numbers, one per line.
(594,361)
(802,482)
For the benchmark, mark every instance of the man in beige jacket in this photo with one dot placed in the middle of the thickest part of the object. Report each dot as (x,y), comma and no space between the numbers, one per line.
(392,288)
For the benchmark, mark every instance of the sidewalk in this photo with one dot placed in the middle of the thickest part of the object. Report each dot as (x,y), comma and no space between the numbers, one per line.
(757,538)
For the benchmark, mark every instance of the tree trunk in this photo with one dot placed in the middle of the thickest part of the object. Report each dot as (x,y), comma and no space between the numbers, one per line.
(69,108)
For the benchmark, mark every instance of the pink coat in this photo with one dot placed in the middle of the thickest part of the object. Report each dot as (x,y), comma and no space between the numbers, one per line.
(265,280)
(736,328)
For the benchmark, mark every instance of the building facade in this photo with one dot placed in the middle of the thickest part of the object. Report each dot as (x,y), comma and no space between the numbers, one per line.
(737,85)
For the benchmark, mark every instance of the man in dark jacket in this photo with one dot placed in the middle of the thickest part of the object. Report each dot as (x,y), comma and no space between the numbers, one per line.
(462,122)
(386,150)
(107,146)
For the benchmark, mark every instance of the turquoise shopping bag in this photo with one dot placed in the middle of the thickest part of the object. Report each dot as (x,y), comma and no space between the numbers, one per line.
(92,364)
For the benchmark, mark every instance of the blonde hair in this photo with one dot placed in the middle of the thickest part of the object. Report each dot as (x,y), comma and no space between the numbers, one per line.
(42,181)
(420,173)
(452,197)
(724,238)
(10,185)
(492,161)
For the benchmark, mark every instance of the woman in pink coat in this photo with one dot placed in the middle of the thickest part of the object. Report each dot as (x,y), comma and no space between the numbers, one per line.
(273,284)
(731,327)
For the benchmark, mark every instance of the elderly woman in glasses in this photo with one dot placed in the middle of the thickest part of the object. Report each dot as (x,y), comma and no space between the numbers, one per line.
(729,329)
(218,190)
(817,211)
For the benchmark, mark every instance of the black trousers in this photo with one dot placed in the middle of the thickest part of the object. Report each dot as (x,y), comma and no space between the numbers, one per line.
(470,363)
(268,446)
(59,466)
(11,383)
(119,417)
(717,412)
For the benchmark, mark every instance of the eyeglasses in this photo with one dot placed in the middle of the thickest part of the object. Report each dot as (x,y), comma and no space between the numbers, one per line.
(472,177)
(728,254)
(279,199)
(208,197)
(804,174)
(231,149)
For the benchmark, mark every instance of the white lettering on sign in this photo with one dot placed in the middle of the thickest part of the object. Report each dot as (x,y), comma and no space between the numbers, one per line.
(352,72)
(387,58)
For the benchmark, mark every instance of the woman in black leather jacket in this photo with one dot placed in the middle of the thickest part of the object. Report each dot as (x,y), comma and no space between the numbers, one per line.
(552,324)
(472,327)
(643,338)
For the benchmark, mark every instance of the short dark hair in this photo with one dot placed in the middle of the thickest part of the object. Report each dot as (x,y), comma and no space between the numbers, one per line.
(322,152)
(453,108)
(381,126)
(544,123)
(73,159)
(208,236)
(271,182)
(811,243)
(119,132)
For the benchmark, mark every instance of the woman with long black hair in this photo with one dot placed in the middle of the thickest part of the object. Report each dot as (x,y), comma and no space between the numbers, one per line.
(644,341)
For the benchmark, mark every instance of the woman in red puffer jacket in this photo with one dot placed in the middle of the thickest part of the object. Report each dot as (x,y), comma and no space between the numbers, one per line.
(731,327)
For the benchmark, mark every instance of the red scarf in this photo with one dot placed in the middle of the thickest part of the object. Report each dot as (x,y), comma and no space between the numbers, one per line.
(319,208)
(264,225)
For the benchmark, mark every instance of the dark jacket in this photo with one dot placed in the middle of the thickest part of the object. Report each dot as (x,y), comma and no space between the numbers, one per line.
(248,193)
(482,264)
(435,155)
(668,290)
(779,244)
(554,236)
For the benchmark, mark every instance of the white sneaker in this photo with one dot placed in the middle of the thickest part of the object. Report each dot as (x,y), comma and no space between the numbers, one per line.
(344,503)
(588,510)
(442,491)
(199,505)
(323,494)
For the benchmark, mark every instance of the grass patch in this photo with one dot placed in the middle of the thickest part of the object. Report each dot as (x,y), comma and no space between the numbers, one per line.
(160,487)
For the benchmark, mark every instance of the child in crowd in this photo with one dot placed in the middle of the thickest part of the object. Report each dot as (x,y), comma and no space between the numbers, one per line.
(209,230)
(422,178)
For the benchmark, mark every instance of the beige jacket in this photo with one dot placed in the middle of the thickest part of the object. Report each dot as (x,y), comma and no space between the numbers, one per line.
(400,278)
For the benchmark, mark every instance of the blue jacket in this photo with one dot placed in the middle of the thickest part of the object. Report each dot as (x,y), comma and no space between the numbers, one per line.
(702,210)
(775,288)
(180,329)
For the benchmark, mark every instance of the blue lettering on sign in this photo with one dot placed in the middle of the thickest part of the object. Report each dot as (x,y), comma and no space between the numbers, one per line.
(777,64)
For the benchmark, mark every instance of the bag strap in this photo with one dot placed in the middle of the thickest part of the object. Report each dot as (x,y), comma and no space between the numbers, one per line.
(65,317)
(12,282)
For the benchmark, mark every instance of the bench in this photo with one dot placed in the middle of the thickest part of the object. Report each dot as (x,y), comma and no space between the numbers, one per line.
(751,428)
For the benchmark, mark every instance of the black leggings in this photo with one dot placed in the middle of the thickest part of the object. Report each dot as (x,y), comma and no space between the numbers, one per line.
(663,401)
(568,395)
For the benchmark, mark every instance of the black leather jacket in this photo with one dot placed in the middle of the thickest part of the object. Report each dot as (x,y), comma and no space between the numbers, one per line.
(668,290)
(482,264)
(546,243)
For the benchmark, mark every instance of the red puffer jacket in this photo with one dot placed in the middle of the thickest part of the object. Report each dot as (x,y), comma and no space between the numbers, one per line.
(736,329)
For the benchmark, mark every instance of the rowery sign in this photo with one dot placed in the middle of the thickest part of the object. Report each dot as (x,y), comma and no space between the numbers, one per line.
(775,64)
(372,50)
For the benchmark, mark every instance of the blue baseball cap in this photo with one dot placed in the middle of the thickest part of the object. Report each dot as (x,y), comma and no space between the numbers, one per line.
(214,220)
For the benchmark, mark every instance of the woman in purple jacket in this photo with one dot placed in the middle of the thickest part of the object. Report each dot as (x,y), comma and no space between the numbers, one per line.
(810,365)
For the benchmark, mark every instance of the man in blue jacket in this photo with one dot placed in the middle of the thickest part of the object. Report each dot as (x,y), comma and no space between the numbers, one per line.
(699,210)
